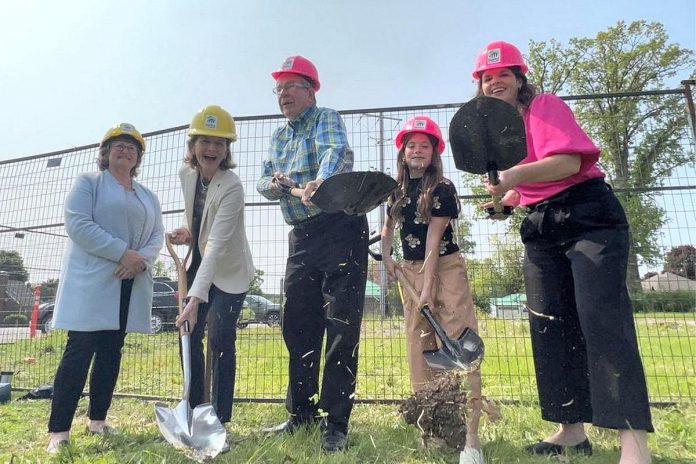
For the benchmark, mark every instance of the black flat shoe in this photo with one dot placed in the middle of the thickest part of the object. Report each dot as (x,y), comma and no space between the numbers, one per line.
(551,449)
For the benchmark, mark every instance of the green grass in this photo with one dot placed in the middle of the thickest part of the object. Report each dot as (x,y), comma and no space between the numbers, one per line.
(378,435)
(151,366)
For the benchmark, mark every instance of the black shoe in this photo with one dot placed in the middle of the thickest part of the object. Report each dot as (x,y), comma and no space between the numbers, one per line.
(289,426)
(333,439)
(550,449)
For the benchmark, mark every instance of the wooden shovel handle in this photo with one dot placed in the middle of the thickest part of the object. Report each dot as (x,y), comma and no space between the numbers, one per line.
(182,284)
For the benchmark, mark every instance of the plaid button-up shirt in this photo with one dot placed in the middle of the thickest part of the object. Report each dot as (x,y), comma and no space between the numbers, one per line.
(314,146)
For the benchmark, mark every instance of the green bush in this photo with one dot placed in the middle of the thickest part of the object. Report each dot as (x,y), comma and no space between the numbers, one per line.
(16,319)
(681,301)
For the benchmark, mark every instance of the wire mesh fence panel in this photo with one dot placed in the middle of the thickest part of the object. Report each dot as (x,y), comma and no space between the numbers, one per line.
(657,189)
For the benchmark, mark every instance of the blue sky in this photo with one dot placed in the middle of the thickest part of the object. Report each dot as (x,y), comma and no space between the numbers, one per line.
(70,69)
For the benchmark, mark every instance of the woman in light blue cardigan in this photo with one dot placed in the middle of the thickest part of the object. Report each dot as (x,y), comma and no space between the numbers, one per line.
(116,233)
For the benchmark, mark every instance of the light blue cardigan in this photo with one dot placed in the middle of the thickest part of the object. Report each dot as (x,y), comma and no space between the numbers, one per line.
(97,223)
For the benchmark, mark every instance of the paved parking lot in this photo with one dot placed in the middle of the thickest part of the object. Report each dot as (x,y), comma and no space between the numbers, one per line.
(12,334)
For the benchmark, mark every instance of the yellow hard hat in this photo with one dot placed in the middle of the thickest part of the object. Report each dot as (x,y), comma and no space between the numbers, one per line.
(214,121)
(124,129)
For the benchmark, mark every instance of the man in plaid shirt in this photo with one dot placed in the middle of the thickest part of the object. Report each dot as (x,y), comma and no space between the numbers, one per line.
(327,264)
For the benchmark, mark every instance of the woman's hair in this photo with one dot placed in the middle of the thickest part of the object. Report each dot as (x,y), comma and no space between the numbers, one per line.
(191,160)
(524,96)
(431,178)
(105,147)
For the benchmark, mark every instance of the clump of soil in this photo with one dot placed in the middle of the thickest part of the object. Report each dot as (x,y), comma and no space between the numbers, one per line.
(439,410)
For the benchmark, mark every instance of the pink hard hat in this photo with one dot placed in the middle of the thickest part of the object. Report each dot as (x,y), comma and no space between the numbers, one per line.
(499,54)
(425,125)
(299,65)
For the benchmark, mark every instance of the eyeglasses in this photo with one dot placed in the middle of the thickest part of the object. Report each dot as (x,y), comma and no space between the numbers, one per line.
(121,147)
(288,87)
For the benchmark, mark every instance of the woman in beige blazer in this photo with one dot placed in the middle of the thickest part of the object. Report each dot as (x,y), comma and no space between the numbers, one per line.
(221,269)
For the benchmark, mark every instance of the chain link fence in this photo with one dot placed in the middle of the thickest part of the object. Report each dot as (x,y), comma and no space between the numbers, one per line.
(33,240)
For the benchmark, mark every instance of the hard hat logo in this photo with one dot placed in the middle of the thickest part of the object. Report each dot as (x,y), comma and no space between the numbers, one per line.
(127,128)
(211,121)
(494,56)
(419,124)
(287,64)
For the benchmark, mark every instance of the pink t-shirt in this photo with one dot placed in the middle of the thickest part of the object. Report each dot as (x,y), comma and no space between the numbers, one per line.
(551,129)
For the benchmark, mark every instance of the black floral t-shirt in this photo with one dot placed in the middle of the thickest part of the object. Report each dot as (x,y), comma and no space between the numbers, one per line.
(414,229)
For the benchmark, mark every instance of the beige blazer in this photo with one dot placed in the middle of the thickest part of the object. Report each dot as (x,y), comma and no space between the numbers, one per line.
(222,239)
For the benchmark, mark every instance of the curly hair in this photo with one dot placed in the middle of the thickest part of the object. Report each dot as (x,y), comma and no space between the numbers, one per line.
(105,147)
(526,93)
(191,160)
(432,176)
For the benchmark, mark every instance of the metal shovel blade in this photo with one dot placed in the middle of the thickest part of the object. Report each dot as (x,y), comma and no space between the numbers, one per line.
(464,353)
(200,429)
(357,192)
(204,433)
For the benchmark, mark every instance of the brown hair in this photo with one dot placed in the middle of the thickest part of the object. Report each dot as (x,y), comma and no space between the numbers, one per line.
(191,160)
(105,147)
(526,93)
(432,176)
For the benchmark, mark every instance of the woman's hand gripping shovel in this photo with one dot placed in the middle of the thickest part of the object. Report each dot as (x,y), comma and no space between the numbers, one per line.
(199,429)
(487,135)
(464,353)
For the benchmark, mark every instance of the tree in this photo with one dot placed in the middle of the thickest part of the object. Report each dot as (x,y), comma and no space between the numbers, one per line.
(499,274)
(49,288)
(641,137)
(159,269)
(256,282)
(13,263)
(681,260)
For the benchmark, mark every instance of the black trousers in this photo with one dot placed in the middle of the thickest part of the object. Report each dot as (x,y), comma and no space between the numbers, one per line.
(104,346)
(325,292)
(222,311)
(584,342)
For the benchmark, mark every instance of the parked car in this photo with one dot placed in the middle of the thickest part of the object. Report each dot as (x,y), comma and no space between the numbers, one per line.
(261,310)
(165,303)
(45,318)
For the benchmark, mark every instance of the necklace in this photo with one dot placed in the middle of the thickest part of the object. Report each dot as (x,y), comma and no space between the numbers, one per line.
(204,186)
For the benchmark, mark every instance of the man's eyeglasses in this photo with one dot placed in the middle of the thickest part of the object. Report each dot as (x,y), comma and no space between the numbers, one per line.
(288,87)
(121,147)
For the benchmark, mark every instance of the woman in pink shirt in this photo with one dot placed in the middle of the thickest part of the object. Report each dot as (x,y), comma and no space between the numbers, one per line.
(584,342)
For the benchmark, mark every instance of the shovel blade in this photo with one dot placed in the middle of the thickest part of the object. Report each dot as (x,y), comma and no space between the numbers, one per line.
(357,192)
(466,353)
(203,433)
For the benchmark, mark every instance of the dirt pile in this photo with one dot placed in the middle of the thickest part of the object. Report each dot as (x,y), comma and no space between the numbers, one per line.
(439,410)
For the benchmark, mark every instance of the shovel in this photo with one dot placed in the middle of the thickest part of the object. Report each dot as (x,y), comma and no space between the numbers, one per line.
(357,192)
(199,429)
(465,353)
(486,136)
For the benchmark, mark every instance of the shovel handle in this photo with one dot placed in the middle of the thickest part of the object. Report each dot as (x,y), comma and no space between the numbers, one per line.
(500,212)
(442,335)
(182,284)
(425,310)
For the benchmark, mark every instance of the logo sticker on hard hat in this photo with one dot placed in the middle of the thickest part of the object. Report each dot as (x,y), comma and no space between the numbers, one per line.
(211,121)
(494,56)
(419,124)
(127,128)
(287,64)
